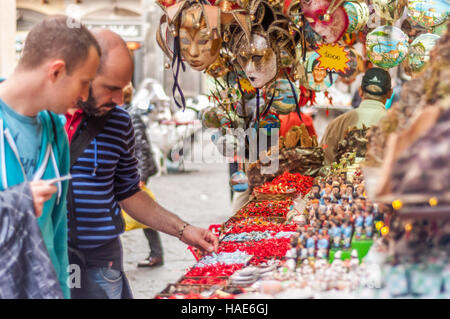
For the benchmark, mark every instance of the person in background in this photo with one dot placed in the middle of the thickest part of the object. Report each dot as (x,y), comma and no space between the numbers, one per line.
(147,168)
(54,72)
(375,90)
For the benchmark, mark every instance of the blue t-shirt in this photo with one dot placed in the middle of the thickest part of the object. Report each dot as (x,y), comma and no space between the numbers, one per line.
(26,131)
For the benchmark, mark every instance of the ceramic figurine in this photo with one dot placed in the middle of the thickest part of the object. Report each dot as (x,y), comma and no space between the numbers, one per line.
(354,261)
(337,262)
(347,231)
(359,223)
(322,246)
(335,233)
(368,224)
(310,244)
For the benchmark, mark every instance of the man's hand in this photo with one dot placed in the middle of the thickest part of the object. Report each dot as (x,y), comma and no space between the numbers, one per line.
(41,191)
(200,238)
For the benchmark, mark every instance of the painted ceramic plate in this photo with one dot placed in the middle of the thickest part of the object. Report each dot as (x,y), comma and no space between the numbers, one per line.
(387,46)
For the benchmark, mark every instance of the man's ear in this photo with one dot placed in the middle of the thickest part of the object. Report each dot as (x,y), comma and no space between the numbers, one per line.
(360,92)
(390,93)
(56,69)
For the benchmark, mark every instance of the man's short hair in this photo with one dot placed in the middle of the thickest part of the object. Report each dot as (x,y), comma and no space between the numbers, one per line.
(53,38)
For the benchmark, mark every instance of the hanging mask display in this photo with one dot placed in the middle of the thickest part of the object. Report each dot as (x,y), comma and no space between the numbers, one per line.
(283,97)
(358,15)
(218,68)
(327,18)
(199,44)
(419,51)
(269,47)
(195,28)
(189,31)
(429,13)
(387,46)
(258,60)
(391,10)
(319,79)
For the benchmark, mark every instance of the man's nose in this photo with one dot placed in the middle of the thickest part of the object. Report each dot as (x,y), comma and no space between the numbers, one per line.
(84,95)
(117,97)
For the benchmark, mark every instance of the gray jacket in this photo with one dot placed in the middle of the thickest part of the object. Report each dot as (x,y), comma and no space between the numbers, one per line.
(26,271)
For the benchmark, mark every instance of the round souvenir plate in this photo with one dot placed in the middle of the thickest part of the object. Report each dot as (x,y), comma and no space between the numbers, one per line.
(391,10)
(358,14)
(283,97)
(318,78)
(387,46)
(429,13)
(419,50)
(354,64)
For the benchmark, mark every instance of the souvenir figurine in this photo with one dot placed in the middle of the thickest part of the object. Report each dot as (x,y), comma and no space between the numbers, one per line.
(346,203)
(337,262)
(349,191)
(368,224)
(347,231)
(336,193)
(310,243)
(335,233)
(322,246)
(303,252)
(291,255)
(359,223)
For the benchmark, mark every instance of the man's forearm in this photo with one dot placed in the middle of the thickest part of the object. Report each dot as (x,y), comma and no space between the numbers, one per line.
(148,212)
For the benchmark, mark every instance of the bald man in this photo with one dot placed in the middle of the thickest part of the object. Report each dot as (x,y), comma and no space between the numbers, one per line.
(106,179)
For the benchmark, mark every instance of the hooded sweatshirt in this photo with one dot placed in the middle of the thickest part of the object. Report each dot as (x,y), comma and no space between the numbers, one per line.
(53,161)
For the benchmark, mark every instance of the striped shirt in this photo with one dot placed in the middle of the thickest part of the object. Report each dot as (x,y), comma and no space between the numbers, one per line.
(103,175)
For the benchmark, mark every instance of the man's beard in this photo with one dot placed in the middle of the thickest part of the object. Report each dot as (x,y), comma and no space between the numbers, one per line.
(90,106)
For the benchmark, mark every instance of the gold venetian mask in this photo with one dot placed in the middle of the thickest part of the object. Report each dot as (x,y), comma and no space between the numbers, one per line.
(199,44)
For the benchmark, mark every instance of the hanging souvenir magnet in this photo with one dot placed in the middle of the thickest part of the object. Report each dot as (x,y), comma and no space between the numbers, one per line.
(429,13)
(319,79)
(391,10)
(327,18)
(387,46)
(419,51)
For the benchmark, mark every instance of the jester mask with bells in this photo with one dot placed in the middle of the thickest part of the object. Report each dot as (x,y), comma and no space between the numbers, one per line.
(195,27)
(268,47)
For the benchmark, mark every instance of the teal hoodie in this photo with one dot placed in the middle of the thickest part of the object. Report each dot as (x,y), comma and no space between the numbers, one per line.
(54,161)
